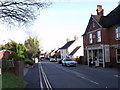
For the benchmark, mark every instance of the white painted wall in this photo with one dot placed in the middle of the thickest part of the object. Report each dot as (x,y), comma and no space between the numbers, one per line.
(64,53)
(73,46)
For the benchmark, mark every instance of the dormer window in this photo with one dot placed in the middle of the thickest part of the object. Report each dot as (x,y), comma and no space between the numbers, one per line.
(90,38)
(118,33)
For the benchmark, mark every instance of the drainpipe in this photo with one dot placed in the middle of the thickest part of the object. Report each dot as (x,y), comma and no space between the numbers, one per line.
(88,57)
(103,55)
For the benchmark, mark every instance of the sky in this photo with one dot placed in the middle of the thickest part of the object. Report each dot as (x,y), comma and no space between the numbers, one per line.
(61,20)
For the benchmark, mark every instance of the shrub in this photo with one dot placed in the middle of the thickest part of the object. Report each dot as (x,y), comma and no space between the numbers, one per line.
(30,62)
(5,65)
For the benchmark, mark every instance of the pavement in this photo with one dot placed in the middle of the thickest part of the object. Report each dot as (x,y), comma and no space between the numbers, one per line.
(31,76)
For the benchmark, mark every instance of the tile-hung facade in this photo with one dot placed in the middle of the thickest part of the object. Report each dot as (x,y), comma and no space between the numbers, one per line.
(102,39)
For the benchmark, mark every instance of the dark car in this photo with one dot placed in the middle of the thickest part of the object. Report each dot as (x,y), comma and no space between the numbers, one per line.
(42,58)
(60,61)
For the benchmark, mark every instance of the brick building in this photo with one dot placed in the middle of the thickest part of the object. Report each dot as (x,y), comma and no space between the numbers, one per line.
(4,54)
(102,38)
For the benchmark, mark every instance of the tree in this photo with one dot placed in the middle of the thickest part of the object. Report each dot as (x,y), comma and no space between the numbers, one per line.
(10,45)
(19,53)
(32,45)
(22,11)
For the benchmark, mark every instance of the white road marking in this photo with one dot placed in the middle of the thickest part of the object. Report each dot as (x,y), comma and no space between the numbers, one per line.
(116,76)
(88,80)
(78,75)
(47,83)
(41,84)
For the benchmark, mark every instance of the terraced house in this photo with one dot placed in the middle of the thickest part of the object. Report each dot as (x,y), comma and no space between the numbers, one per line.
(102,38)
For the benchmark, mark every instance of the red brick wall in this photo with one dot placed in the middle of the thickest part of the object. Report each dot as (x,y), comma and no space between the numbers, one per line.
(105,36)
(1,55)
(113,36)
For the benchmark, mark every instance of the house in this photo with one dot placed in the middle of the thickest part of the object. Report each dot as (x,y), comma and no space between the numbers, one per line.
(52,53)
(4,54)
(71,48)
(101,39)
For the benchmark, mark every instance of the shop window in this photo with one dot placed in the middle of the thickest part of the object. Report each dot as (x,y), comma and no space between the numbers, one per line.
(100,55)
(118,56)
(90,54)
(118,33)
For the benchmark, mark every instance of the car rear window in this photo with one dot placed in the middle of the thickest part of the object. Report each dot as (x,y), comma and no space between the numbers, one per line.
(67,59)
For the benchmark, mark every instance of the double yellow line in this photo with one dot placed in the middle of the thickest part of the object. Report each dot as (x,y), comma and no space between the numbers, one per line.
(42,74)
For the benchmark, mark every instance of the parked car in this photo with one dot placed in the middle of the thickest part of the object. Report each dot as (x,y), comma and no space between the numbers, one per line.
(60,61)
(47,58)
(52,60)
(42,58)
(68,62)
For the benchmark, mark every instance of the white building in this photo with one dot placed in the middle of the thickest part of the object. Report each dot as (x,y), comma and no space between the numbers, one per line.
(71,49)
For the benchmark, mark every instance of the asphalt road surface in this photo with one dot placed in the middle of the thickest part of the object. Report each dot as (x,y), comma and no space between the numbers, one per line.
(81,76)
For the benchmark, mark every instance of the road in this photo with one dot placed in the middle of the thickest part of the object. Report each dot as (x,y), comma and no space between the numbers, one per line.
(81,76)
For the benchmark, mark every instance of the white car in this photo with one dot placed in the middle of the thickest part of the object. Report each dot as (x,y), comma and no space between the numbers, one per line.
(52,60)
(68,62)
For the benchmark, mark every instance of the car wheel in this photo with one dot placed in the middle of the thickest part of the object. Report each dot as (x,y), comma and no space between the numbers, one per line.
(75,65)
(66,65)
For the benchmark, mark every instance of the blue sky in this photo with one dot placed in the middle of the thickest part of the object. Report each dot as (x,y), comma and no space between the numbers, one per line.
(63,19)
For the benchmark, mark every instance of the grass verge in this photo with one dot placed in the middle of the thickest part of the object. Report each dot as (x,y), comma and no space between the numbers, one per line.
(10,80)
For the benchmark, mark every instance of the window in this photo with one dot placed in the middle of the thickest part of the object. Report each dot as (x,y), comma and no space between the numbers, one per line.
(98,36)
(118,33)
(90,54)
(90,38)
(118,56)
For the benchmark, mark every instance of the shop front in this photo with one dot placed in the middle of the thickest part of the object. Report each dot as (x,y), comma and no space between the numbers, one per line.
(99,54)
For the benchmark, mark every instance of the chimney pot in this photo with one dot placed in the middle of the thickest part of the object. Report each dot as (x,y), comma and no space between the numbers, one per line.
(67,39)
(99,10)
(76,37)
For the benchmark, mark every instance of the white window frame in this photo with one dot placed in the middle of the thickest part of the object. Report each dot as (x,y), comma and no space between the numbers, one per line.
(117,56)
(99,36)
(117,32)
(90,38)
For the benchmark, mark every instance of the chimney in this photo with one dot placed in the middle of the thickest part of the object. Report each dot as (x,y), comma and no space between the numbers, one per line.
(76,37)
(99,10)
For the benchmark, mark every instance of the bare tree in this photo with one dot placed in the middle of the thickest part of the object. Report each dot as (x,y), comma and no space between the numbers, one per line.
(22,11)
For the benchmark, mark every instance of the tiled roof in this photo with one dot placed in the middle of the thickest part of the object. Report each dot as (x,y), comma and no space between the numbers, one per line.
(67,44)
(75,50)
(113,18)
(97,17)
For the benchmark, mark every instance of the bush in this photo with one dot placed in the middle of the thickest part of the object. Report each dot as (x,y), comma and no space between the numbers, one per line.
(30,62)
